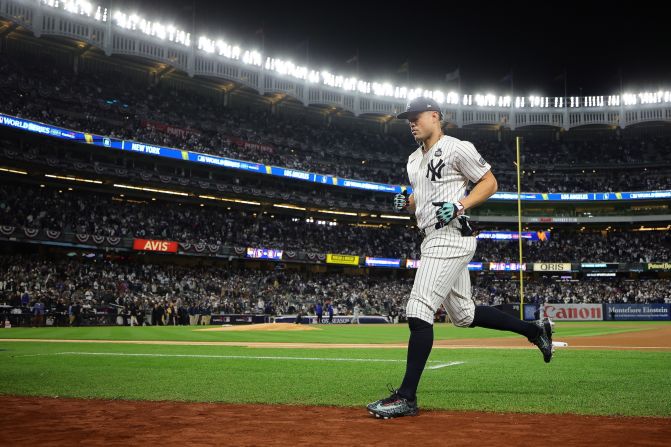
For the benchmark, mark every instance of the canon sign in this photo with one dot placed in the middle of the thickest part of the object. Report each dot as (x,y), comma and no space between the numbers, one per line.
(149,245)
(573,311)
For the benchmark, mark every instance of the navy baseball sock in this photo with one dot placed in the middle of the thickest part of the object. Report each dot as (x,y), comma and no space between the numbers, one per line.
(419,348)
(492,318)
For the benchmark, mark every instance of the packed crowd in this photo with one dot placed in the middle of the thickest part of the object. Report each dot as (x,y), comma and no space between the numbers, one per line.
(495,291)
(117,287)
(171,294)
(611,180)
(33,207)
(566,246)
(71,212)
(242,185)
(124,108)
(118,107)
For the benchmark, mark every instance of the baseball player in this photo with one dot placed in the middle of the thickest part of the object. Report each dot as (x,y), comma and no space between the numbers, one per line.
(439,172)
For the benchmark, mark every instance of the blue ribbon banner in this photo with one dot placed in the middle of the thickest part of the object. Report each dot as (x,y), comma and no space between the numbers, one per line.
(132,146)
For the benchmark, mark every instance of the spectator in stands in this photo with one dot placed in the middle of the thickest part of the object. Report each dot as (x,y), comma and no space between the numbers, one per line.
(157,315)
(133,311)
(38,313)
(206,314)
(319,311)
(329,309)
(25,299)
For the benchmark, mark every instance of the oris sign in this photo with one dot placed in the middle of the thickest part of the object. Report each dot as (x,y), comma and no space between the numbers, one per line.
(552,266)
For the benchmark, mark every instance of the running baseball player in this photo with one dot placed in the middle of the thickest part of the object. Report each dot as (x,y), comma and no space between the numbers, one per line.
(439,172)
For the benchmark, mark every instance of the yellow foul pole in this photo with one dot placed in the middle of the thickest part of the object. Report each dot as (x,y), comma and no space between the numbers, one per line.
(518,141)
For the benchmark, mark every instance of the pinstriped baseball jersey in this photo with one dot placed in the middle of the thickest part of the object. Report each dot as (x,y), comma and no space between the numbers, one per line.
(442,175)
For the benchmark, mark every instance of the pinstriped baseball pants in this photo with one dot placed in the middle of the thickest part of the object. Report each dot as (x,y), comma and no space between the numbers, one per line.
(442,281)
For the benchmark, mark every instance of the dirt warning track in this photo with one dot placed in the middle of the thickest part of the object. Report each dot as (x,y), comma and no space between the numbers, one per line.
(29,421)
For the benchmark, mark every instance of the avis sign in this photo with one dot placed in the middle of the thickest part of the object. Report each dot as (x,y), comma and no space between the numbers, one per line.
(150,245)
(573,312)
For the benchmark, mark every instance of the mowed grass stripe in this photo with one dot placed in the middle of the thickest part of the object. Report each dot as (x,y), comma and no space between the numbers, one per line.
(222,357)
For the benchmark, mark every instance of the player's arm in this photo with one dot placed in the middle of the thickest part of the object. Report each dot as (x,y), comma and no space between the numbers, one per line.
(411,204)
(483,190)
(403,201)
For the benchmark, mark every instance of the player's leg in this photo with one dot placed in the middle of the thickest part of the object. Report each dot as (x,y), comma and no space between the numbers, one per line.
(537,332)
(434,280)
(464,313)
(458,303)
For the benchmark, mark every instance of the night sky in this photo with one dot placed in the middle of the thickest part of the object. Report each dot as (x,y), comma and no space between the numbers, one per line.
(593,41)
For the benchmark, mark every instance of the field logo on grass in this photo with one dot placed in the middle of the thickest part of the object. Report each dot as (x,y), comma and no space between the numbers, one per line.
(573,312)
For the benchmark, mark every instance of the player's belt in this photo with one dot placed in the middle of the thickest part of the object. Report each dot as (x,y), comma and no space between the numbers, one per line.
(424,232)
(464,226)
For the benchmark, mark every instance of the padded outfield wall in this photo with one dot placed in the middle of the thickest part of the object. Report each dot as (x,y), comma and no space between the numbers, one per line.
(593,312)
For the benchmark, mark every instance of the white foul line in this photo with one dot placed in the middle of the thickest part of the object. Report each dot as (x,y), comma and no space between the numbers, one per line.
(211,356)
(443,365)
(244,357)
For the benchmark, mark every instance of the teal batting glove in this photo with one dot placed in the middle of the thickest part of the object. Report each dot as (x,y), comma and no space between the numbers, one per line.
(401,202)
(447,211)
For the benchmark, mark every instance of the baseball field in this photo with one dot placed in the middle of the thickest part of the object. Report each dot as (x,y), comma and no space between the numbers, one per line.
(307,384)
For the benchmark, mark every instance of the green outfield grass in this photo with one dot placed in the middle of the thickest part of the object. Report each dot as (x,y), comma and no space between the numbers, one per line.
(577,381)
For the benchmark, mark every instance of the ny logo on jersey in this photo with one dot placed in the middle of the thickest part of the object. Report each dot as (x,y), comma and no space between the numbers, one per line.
(435,169)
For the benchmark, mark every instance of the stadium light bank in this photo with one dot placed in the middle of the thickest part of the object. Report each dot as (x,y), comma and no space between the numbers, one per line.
(234,52)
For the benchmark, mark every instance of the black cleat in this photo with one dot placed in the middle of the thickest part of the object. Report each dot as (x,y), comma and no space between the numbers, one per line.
(544,338)
(393,406)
